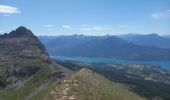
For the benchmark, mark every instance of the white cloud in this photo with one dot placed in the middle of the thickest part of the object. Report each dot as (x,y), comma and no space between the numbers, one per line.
(4,9)
(161,15)
(94,28)
(67,27)
(50,25)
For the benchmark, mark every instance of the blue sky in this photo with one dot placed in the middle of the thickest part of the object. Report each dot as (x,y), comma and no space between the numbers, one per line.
(89,17)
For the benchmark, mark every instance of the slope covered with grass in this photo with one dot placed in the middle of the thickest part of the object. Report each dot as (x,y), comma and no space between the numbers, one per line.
(87,85)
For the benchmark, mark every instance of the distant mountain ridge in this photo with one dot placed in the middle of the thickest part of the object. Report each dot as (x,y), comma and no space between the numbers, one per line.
(147,40)
(103,46)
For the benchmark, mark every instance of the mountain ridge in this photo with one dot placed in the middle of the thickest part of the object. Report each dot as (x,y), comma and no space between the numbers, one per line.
(147,40)
(88,85)
(103,46)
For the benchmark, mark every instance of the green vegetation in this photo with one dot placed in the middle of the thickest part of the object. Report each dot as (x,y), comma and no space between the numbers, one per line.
(146,81)
(36,80)
(86,85)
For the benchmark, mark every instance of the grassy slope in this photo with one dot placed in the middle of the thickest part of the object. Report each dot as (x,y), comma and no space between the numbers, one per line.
(136,80)
(36,80)
(86,85)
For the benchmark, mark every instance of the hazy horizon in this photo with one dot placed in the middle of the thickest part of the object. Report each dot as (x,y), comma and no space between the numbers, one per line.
(103,34)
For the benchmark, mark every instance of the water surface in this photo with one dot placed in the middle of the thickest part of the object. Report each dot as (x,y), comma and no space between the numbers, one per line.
(163,64)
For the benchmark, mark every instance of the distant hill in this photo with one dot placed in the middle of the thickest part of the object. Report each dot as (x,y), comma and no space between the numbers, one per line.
(87,85)
(102,46)
(153,40)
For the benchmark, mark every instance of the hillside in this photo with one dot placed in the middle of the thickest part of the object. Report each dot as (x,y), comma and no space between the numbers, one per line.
(88,85)
(102,46)
(24,64)
(147,81)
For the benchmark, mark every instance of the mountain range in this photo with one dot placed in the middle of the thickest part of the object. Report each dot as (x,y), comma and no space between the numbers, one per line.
(153,40)
(131,47)
(28,73)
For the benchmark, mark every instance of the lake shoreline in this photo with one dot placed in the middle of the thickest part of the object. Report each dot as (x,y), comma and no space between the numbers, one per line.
(162,64)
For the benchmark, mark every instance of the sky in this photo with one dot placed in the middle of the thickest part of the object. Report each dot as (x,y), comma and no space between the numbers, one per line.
(88,17)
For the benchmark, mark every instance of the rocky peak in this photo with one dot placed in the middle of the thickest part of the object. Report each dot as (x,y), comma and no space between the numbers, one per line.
(23,42)
(21,55)
(20,31)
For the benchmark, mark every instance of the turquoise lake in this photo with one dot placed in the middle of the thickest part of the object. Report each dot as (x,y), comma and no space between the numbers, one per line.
(162,64)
